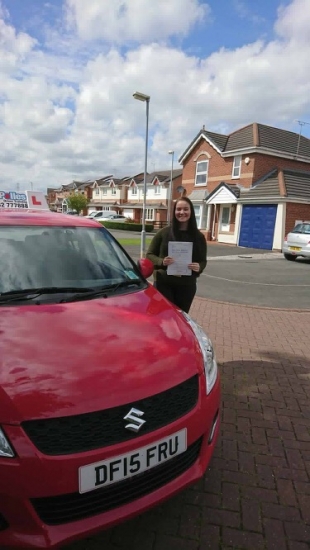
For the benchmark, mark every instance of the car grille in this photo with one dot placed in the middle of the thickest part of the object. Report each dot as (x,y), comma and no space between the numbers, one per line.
(75,506)
(84,432)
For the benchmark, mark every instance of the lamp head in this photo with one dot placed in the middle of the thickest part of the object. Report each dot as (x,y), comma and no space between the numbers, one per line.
(141,97)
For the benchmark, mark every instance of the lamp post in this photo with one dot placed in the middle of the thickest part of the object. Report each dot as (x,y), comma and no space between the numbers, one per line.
(170,188)
(146,99)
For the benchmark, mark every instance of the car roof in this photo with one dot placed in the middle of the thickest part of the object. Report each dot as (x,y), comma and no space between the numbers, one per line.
(43,217)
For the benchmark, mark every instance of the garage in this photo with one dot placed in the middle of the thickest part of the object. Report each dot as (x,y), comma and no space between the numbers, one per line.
(257,226)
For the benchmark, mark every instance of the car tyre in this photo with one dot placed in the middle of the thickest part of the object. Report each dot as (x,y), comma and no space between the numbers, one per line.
(290,257)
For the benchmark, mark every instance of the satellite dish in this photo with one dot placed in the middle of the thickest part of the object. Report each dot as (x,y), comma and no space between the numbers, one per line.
(180,189)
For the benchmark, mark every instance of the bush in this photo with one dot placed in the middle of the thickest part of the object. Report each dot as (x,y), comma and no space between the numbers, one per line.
(128,226)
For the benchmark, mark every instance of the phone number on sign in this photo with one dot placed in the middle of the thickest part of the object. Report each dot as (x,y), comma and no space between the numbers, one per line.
(13,205)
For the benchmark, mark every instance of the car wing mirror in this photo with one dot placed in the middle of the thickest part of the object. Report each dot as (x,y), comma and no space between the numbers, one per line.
(145,267)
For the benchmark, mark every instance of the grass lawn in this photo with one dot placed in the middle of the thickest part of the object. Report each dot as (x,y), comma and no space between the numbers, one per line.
(133,241)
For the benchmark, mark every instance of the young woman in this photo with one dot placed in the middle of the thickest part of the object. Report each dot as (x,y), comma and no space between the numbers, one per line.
(180,290)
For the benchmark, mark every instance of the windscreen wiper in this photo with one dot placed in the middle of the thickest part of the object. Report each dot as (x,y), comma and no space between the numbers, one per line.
(32,293)
(102,291)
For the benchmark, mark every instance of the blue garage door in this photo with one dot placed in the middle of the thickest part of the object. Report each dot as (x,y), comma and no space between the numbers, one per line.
(257,226)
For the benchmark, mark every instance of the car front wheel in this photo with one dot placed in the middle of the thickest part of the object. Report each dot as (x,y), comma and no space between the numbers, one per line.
(290,257)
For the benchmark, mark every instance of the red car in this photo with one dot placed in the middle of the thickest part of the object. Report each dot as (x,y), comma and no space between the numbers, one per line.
(109,395)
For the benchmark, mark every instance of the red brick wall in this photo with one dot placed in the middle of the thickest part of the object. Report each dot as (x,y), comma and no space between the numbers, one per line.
(218,167)
(177,182)
(295,212)
(264,164)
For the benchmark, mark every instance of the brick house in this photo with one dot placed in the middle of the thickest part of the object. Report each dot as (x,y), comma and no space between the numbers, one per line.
(248,187)
(157,196)
(56,198)
(108,193)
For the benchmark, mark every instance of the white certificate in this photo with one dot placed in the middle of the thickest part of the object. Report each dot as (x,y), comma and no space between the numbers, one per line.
(182,254)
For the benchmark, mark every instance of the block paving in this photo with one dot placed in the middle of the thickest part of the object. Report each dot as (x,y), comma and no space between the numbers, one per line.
(256,492)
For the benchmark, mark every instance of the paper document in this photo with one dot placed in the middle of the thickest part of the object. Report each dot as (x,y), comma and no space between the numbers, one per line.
(182,254)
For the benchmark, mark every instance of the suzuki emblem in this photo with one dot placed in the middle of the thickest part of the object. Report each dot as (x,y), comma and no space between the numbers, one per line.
(136,422)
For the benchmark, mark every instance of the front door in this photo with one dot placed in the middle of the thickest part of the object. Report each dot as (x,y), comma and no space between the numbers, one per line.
(225,219)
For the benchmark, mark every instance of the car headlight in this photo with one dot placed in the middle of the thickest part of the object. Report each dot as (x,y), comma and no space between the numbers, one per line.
(5,448)
(209,359)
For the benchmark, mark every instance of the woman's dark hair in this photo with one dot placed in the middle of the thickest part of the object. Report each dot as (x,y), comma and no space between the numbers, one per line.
(192,228)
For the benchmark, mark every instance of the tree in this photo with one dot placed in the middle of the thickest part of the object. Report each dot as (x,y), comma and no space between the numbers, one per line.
(77,202)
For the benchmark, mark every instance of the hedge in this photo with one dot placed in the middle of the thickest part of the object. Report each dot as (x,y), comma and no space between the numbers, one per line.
(127,226)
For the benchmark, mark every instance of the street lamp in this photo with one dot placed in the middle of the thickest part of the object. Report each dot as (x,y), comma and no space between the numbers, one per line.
(146,99)
(170,189)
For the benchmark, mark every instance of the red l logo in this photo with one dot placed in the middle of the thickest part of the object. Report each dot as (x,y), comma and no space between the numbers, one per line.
(35,202)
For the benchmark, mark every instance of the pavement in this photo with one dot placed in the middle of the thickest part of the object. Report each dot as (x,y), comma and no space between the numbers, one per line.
(256,493)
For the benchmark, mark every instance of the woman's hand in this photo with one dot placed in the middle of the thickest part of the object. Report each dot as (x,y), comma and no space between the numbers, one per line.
(168,260)
(194,267)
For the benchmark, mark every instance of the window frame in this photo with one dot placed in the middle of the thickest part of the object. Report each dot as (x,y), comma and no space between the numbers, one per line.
(202,172)
(236,167)
(147,211)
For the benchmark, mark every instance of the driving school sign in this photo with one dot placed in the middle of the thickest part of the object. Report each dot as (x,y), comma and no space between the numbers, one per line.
(33,200)
(11,199)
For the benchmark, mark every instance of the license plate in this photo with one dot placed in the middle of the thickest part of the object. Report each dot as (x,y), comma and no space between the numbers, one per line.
(101,474)
(295,247)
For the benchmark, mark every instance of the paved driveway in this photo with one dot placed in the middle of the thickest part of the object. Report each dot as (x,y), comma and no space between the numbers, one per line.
(256,493)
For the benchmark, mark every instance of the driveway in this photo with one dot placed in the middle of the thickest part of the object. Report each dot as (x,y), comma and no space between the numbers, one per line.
(256,492)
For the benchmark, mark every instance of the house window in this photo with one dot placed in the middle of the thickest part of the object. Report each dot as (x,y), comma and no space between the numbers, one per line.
(237,167)
(202,172)
(113,191)
(104,191)
(157,189)
(149,214)
(97,191)
(134,190)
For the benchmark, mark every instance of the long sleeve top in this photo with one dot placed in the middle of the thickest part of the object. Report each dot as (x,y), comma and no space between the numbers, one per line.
(158,250)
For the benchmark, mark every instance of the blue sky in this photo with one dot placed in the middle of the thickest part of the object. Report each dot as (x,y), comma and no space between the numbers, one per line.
(68,69)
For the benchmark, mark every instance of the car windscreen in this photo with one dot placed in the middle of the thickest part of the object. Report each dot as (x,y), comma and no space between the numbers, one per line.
(37,257)
(302,228)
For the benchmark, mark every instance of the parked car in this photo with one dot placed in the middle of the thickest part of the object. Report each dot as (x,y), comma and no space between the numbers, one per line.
(113,218)
(101,213)
(109,395)
(91,214)
(297,242)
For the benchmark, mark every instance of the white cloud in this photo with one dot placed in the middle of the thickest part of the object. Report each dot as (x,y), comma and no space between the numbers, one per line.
(294,22)
(120,21)
(69,113)
(13,46)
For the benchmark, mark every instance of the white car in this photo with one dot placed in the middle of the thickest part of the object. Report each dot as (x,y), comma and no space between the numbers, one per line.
(297,242)
(110,217)
(101,214)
